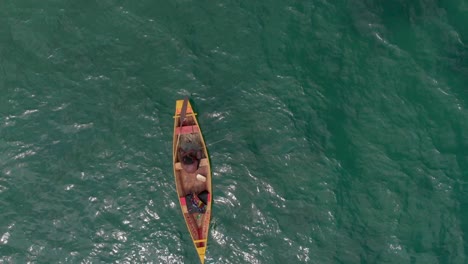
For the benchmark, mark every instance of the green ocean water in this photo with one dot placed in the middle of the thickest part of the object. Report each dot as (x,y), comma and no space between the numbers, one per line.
(337,130)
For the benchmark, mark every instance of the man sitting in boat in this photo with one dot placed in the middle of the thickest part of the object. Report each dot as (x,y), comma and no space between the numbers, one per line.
(190,160)
(189,164)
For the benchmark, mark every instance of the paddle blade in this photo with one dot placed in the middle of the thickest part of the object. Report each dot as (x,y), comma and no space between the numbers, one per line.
(183,111)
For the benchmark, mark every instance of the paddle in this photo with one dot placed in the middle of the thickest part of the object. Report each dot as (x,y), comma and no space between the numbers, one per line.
(183,113)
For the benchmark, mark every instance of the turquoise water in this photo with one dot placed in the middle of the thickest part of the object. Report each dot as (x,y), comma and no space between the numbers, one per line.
(337,130)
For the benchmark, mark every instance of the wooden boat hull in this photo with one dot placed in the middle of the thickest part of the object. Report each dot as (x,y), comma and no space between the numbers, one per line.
(192,174)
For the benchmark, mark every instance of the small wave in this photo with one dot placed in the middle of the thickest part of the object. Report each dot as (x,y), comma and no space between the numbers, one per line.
(4,238)
(28,112)
(24,154)
(76,127)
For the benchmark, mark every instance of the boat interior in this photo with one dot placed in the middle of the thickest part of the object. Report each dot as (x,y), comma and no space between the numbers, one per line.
(192,172)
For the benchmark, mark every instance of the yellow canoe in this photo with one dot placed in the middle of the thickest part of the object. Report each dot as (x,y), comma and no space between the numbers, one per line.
(192,175)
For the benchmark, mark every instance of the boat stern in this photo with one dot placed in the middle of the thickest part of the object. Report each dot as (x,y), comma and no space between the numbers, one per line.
(201,254)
